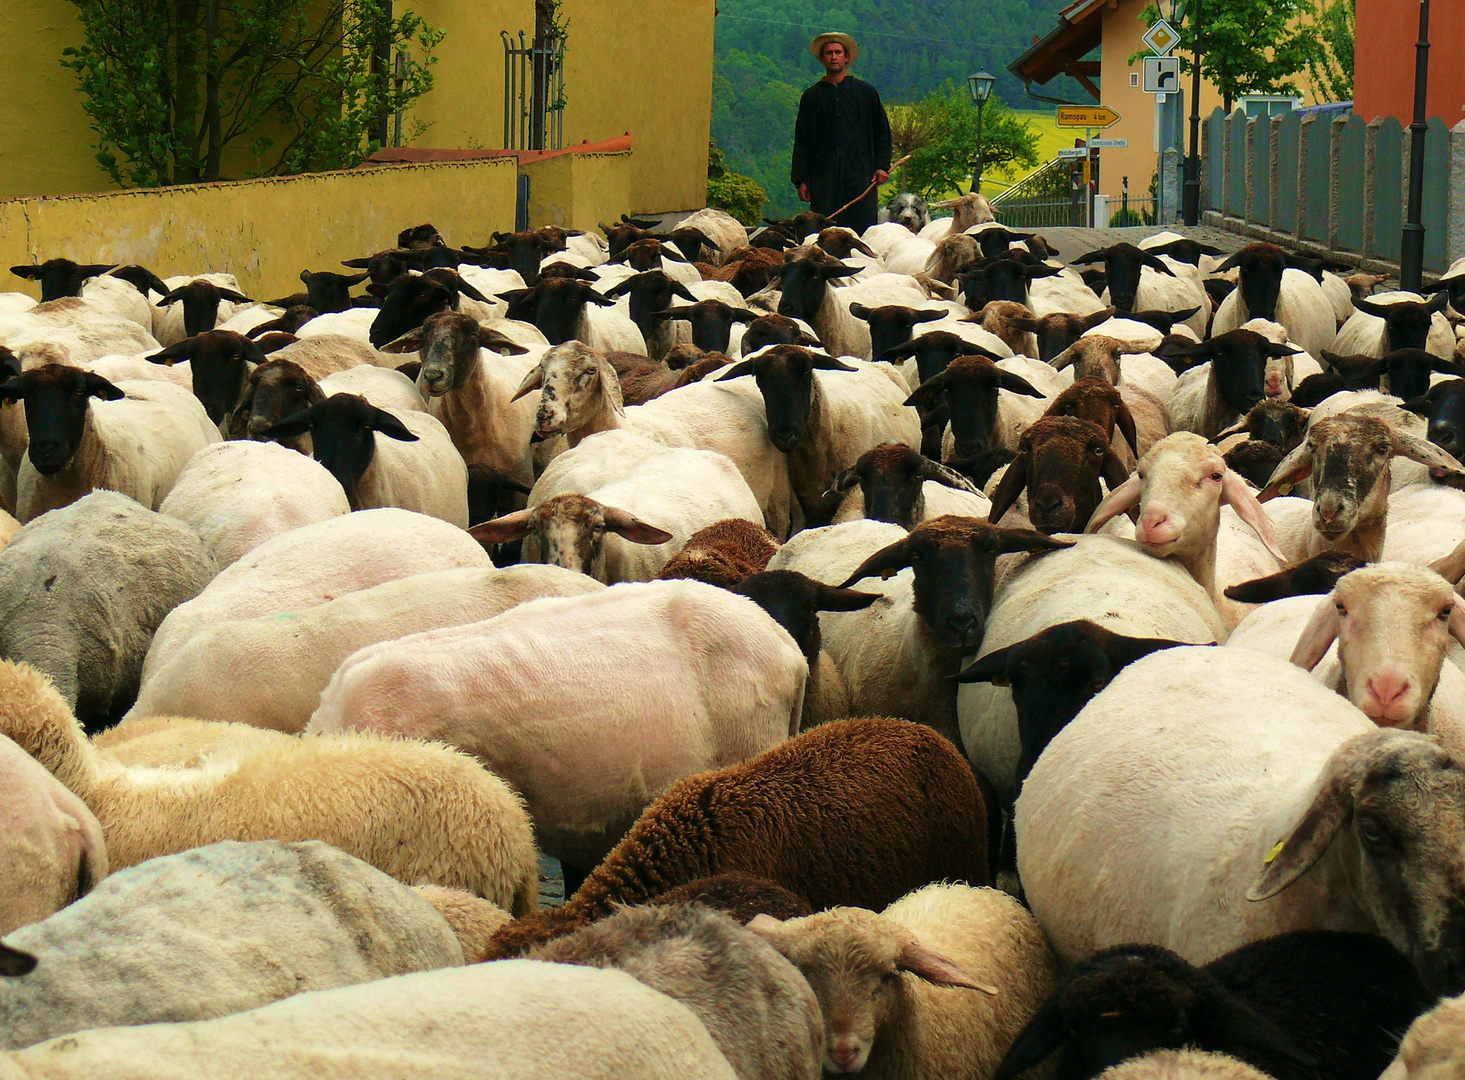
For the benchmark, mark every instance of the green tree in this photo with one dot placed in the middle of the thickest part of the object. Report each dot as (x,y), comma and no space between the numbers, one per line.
(1248,46)
(940,134)
(169,84)
(1331,71)
(741,196)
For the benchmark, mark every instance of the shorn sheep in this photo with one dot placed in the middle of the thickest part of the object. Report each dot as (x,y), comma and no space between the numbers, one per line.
(1313,818)
(261,921)
(938,984)
(418,812)
(482,1022)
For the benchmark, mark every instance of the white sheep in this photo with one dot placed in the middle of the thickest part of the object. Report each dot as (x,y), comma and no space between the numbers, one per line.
(516,1018)
(134,440)
(269,672)
(938,984)
(262,921)
(384,459)
(896,654)
(354,324)
(1111,582)
(544,696)
(724,230)
(236,495)
(1300,305)
(85,330)
(844,335)
(167,321)
(83,588)
(909,254)
(1391,623)
(51,846)
(383,387)
(324,354)
(1208,798)
(1184,1065)
(419,812)
(1365,334)
(628,529)
(316,563)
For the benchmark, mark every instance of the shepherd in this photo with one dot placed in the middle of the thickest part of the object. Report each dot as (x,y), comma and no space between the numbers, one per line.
(841,138)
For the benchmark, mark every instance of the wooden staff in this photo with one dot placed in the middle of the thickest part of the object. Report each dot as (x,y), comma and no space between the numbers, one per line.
(869,189)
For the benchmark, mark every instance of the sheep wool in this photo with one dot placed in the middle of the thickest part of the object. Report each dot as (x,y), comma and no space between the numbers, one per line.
(484,1022)
(1183,1065)
(83,589)
(420,812)
(472,919)
(214,931)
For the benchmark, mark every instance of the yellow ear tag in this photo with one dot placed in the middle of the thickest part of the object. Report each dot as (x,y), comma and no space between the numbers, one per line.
(1271,855)
(1285,489)
(169,362)
(1001,682)
(886,575)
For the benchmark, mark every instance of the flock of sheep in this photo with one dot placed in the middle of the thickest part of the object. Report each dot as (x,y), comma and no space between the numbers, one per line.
(925,659)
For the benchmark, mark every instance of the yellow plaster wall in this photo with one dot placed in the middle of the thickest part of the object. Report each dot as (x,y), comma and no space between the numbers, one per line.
(644,67)
(464,108)
(262,231)
(578,191)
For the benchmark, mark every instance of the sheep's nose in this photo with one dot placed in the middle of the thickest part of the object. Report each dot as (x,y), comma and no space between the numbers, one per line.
(844,1055)
(1048,507)
(1151,520)
(1444,438)
(1388,687)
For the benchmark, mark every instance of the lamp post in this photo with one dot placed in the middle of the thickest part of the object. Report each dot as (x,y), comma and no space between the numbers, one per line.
(1190,197)
(1411,249)
(981,88)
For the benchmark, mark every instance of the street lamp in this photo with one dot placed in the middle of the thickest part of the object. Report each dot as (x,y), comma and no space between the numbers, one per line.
(1190,196)
(981,87)
(1411,250)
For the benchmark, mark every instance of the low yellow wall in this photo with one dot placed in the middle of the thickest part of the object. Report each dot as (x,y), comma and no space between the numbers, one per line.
(645,68)
(262,231)
(578,191)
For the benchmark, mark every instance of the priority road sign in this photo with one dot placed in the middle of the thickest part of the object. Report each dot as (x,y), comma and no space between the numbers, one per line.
(1161,38)
(1161,75)
(1087,116)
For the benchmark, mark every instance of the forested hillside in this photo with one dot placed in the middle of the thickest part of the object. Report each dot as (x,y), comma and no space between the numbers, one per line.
(908,48)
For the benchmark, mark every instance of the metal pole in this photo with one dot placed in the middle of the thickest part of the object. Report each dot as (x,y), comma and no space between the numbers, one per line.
(977,169)
(1190,200)
(1411,247)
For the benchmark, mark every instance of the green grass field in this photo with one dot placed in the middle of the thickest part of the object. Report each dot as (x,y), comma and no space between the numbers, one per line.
(1051,138)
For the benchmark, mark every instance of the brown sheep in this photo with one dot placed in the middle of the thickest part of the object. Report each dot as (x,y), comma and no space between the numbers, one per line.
(723,553)
(643,378)
(1011,322)
(1059,460)
(853,812)
(747,269)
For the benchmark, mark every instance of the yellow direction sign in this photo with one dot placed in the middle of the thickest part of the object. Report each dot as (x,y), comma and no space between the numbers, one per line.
(1087,116)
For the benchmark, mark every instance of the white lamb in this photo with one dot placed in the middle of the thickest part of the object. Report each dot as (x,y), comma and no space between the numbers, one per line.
(1208,798)
(1301,307)
(1365,335)
(316,563)
(236,495)
(546,697)
(383,387)
(269,672)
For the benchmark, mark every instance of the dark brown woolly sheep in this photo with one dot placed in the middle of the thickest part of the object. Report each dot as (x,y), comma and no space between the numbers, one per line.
(747,269)
(1099,402)
(1314,577)
(723,553)
(1253,460)
(856,812)
(840,242)
(643,378)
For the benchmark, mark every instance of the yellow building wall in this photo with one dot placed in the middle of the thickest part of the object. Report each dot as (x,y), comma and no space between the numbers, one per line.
(263,231)
(578,191)
(644,67)
(48,138)
(464,109)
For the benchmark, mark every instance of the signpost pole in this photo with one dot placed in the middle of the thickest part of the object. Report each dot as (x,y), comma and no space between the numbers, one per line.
(1190,199)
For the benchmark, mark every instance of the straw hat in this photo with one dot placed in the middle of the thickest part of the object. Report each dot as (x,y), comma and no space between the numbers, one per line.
(817,45)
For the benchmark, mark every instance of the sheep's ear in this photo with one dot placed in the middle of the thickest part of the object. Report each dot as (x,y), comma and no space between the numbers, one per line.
(844,482)
(928,393)
(1231,263)
(171,298)
(937,969)
(179,350)
(1063,359)
(1297,852)
(681,290)
(355,263)
(1009,487)
(391,427)
(825,362)
(1040,271)
(1370,307)
(1239,428)
(934,470)
(1040,1037)
(746,367)
(1016,384)
(924,315)
(1427,453)
(503,530)
(991,668)
(1154,262)
(671,254)
(904,351)
(1317,636)
(860,311)
(1283,349)
(1119,501)
(593,297)
(839,269)
(30,273)
(633,528)
(1010,541)
(828,598)
(1125,419)
(234,297)
(99,387)
(1235,494)
(743,315)
(887,562)
(1112,469)
(1291,470)
(770,929)
(1230,1021)
(1439,301)
(494,341)
(292,427)
(14,963)
(534,380)
(1090,257)
(411,341)
(620,288)
(1088,322)
(1445,367)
